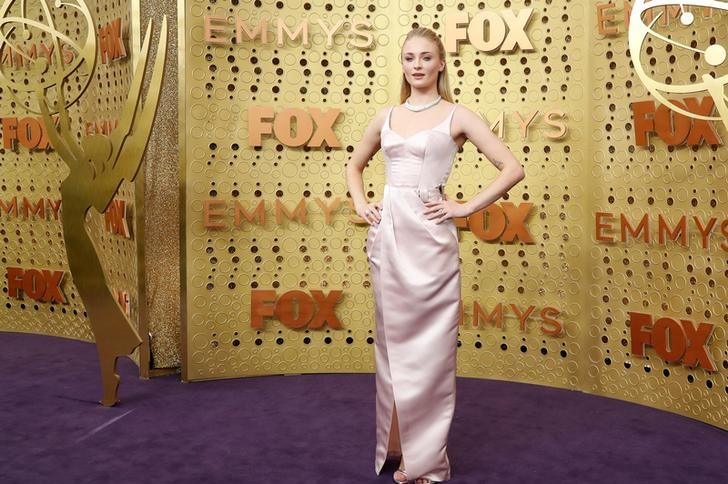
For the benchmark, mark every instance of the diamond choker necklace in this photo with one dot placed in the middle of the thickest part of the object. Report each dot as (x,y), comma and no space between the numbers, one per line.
(421,107)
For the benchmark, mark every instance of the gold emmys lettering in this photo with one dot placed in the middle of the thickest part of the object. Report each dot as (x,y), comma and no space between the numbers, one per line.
(98,164)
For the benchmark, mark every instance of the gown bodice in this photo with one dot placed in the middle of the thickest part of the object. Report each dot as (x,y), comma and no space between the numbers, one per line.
(422,160)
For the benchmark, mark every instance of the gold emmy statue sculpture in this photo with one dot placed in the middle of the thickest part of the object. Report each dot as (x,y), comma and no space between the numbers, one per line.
(714,55)
(98,164)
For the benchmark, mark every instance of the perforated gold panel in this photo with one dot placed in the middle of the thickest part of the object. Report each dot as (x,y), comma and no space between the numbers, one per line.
(548,306)
(33,240)
(224,265)
(679,279)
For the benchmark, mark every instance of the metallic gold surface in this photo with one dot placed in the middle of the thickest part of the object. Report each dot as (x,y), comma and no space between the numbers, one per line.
(661,278)
(143,352)
(713,55)
(97,168)
(36,174)
(182,138)
(17,24)
(161,221)
(98,164)
(553,312)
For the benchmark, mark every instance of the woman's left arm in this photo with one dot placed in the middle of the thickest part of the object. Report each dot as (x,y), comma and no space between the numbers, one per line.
(468,125)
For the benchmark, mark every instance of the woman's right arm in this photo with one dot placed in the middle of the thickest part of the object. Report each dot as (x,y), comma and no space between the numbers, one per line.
(361,155)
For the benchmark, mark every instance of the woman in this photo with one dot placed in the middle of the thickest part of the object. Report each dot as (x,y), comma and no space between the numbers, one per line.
(412,248)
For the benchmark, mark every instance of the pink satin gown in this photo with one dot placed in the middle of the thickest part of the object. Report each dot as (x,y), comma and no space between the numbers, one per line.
(415,273)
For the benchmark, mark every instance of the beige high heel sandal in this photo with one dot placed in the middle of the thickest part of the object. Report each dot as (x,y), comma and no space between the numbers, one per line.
(401,471)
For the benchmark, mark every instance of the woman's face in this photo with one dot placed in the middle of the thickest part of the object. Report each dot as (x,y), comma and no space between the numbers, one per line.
(421,62)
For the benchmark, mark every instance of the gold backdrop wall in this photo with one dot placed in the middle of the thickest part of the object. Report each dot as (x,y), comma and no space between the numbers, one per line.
(545,300)
(30,175)
(682,280)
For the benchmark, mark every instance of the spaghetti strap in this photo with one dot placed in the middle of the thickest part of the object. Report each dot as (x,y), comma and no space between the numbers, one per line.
(445,125)
(450,118)
(452,111)
(386,121)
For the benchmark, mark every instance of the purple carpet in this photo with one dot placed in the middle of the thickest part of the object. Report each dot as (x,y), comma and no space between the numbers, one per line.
(316,429)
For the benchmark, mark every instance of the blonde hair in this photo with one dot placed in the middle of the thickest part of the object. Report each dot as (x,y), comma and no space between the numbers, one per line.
(443,84)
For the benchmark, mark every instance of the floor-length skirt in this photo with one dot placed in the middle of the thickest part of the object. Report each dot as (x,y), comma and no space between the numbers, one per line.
(415,272)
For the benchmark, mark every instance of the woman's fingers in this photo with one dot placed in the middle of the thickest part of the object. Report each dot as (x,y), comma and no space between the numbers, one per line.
(433,207)
(441,210)
(441,217)
(377,212)
(372,214)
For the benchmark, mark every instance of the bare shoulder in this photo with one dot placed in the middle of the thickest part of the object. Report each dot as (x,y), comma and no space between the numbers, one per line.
(464,114)
(378,120)
(463,119)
